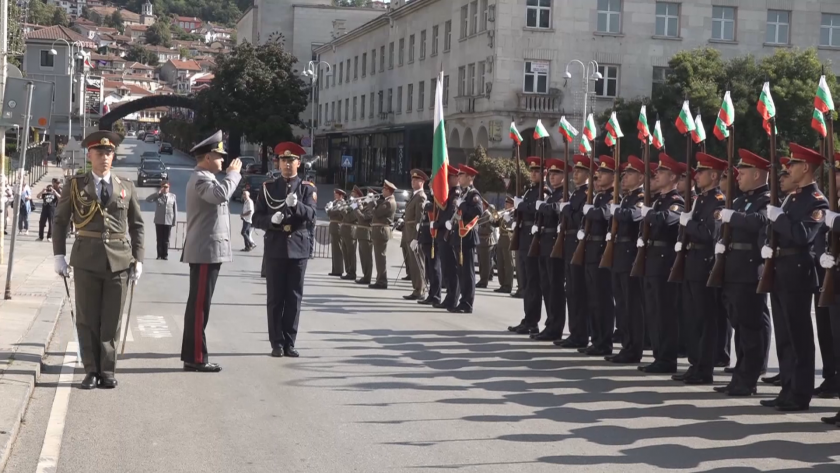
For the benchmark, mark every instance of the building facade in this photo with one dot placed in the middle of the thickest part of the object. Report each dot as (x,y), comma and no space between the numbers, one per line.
(509,60)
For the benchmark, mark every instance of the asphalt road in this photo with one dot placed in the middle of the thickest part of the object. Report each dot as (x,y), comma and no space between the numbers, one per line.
(386,385)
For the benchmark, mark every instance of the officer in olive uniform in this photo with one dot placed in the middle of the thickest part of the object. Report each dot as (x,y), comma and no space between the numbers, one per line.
(348,235)
(430,259)
(504,259)
(552,271)
(796,224)
(486,245)
(470,209)
(660,295)
(104,209)
(746,309)
(336,216)
(444,248)
(414,261)
(363,210)
(381,224)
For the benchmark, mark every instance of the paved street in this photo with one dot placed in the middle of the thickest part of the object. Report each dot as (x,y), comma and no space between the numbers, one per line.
(383,385)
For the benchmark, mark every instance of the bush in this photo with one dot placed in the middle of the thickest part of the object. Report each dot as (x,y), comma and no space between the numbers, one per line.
(493,170)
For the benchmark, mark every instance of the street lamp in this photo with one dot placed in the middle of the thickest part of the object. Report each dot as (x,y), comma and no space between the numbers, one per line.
(77,46)
(311,71)
(589,72)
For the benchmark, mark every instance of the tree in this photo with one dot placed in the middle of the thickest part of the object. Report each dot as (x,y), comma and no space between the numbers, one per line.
(16,44)
(137,53)
(119,127)
(493,171)
(184,52)
(115,20)
(159,34)
(59,17)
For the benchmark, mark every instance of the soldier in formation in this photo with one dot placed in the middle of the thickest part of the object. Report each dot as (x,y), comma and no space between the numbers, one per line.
(336,216)
(414,209)
(382,221)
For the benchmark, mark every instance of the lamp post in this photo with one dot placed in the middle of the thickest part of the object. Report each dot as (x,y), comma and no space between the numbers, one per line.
(589,72)
(71,59)
(311,71)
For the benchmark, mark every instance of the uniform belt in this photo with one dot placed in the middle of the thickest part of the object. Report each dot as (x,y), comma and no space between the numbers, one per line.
(550,231)
(595,238)
(571,232)
(659,243)
(624,240)
(790,251)
(697,246)
(337,221)
(99,235)
(348,224)
(361,226)
(742,246)
(527,222)
(409,222)
(380,225)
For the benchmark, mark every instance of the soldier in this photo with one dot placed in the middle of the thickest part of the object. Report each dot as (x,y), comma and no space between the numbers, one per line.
(552,272)
(444,248)
(661,295)
(431,261)
(628,293)
(469,210)
(348,235)
(414,263)
(336,216)
(829,263)
(822,315)
(486,245)
(104,208)
(284,209)
(746,309)
(363,210)
(504,260)
(207,244)
(383,220)
(796,224)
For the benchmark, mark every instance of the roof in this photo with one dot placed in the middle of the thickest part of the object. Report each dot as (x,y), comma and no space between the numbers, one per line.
(106,57)
(134,77)
(160,49)
(83,21)
(139,65)
(207,78)
(188,65)
(133,89)
(188,19)
(137,27)
(60,32)
(127,15)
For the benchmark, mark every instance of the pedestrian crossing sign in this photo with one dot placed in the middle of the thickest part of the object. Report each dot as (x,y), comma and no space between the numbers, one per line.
(347,161)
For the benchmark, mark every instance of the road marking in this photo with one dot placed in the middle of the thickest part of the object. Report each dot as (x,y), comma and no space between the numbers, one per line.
(153,326)
(48,460)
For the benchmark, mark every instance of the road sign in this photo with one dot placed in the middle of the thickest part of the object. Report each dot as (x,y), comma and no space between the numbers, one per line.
(305,142)
(347,161)
(15,103)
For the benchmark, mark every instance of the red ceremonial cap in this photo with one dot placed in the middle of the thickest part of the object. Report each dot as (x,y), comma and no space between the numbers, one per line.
(533,162)
(634,164)
(293,148)
(735,172)
(606,163)
(452,170)
(801,154)
(670,164)
(707,161)
(752,160)
(785,162)
(462,169)
(556,165)
(582,161)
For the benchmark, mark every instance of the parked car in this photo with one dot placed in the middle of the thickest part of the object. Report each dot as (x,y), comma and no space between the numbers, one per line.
(149,137)
(249,182)
(149,156)
(247,160)
(151,172)
(131,134)
(165,148)
(254,168)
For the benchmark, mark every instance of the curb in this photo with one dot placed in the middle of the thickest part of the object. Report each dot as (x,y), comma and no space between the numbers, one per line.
(19,378)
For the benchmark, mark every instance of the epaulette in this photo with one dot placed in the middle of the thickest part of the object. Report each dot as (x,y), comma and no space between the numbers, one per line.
(308,183)
(719,196)
(269,181)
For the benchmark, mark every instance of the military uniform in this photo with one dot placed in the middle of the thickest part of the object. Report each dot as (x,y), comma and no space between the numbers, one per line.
(108,246)
(470,209)
(431,261)
(336,216)
(504,259)
(349,239)
(552,270)
(383,220)
(364,218)
(445,249)
(832,224)
(414,262)
(486,247)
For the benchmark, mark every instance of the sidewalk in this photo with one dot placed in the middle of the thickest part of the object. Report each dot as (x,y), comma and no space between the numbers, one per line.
(27,320)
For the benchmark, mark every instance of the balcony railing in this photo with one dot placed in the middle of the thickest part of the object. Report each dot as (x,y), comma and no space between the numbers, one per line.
(386,118)
(541,103)
(467,104)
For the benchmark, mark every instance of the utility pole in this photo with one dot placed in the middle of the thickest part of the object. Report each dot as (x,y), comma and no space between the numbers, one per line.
(4,53)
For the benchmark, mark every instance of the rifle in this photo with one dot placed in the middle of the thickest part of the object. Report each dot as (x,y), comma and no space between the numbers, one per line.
(534,249)
(827,290)
(716,276)
(557,251)
(607,258)
(580,251)
(639,264)
(514,240)
(678,269)
(765,284)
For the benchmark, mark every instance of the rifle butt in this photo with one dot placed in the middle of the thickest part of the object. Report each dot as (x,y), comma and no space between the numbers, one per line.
(765,284)
(827,290)
(716,276)
(557,250)
(607,258)
(638,269)
(534,249)
(678,269)
(580,252)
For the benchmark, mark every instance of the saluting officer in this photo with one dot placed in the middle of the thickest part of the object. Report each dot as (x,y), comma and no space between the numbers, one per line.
(796,224)
(469,209)
(552,272)
(430,259)
(444,249)
(504,260)
(747,310)
(383,220)
(414,264)
(336,216)
(348,235)
(104,209)
(284,210)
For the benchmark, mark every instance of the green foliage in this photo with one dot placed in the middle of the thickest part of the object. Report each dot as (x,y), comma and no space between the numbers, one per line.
(115,20)
(158,34)
(16,45)
(119,127)
(184,52)
(179,33)
(48,15)
(493,171)
(137,53)
(60,17)
(181,133)
(225,12)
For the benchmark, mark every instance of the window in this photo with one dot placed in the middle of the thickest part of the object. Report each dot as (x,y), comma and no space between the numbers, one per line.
(354,107)
(668,19)
(331,113)
(391,55)
(435,34)
(339,111)
(370,113)
(381,101)
(829,31)
(355,67)
(445,91)
(423,45)
(538,14)
(411,49)
(341,72)
(390,100)
(471,79)
(373,62)
(399,99)
(608,86)
(465,20)
(447,36)
(485,15)
(362,110)
(346,109)
(778,27)
(320,113)
(409,99)
(433,89)
(723,23)
(421,95)
(462,81)
(609,16)
(364,64)
(660,75)
(473,16)
(482,70)
(348,72)
(536,77)
(402,51)
(382,57)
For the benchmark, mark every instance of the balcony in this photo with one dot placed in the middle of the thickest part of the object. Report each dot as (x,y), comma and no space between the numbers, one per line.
(541,104)
(385,118)
(467,104)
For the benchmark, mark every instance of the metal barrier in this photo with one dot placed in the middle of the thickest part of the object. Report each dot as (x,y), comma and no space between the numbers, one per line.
(323,243)
(35,166)
(176,238)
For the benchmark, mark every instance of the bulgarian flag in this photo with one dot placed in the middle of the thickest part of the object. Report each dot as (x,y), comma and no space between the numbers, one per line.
(614,128)
(540,131)
(567,130)
(699,133)
(725,118)
(658,140)
(589,129)
(642,126)
(584,147)
(818,123)
(766,107)
(823,101)
(684,122)
(514,134)
(440,157)
(609,140)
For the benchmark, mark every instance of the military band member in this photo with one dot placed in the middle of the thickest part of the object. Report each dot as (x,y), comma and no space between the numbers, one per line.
(364,218)
(414,263)
(336,216)
(381,224)
(796,224)
(661,295)
(504,259)
(104,209)
(430,259)
(552,271)
(349,240)
(627,291)
(575,275)
(444,249)
(486,245)
(746,309)
(207,244)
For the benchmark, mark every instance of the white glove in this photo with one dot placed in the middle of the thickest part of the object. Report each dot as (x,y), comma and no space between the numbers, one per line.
(534,229)
(431,224)
(277,218)
(329,206)
(678,246)
(448,225)
(540,204)
(563,205)
(517,201)
(726,215)
(640,243)
(559,228)
(766,252)
(513,226)
(684,218)
(645,210)
(720,248)
(61,267)
(135,272)
(507,217)
(827,261)
(354,206)
(413,245)
(609,236)
(458,202)
(581,235)
(587,208)
(613,208)
(829,218)
(773,212)
(291,200)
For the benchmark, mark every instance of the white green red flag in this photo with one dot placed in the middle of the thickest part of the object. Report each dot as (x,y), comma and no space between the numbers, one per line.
(540,131)
(567,130)
(440,155)
(609,140)
(818,123)
(514,134)
(589,129)
(684,121)
(823,101)
(584,147)
(766,107)
(699,133)
(658,140)
(614,128)
(642,126)
(725,118)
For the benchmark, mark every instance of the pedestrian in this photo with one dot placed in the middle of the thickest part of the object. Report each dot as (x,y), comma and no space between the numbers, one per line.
(414,261)
(106,256)
(444,249)
(247,216)
(25,207)
(470,209)
(284,209)
(380,232)
(49,201)
(166,216)
(504,257)
(335,213)
(207,244)
(7,199)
